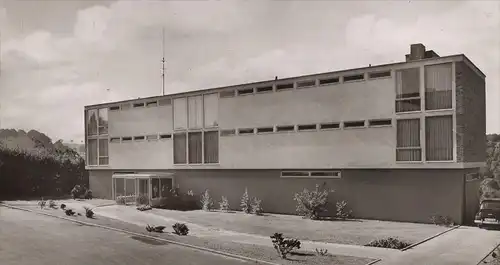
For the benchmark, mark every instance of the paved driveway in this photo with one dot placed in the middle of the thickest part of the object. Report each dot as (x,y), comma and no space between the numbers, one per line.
(31,239)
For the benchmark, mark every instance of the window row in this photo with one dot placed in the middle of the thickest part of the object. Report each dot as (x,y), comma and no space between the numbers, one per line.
(196,147)
(140,138)
(313,82)
(438,139)
(438,88)
(309,127)
(310,174)
(144,104)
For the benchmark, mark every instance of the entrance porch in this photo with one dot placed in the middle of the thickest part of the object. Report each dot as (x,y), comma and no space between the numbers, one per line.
(153,186)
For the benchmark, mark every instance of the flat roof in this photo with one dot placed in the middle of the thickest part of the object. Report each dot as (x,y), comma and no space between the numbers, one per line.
(461,56)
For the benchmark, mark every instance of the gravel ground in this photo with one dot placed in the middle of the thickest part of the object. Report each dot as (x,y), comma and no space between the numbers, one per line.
(248,250)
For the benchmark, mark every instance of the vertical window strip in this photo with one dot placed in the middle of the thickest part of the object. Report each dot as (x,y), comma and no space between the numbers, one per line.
(438,87)
(439,138)
(408,146)
(211,147)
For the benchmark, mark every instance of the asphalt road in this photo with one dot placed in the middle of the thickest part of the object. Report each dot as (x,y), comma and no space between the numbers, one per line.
(30,239)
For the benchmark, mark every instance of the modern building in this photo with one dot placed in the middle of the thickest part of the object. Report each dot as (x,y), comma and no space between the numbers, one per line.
(399,141)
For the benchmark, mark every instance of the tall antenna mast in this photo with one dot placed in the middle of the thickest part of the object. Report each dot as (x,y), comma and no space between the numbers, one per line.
(163,61)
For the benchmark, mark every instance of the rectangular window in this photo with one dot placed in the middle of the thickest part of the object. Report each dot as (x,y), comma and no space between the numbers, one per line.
(155,188)
(281,87)
(152,137)
(408,140)
(139,138)
(195,112)
(165,102)
(92,122)
(285,128)
(227,94)
(165,136)
(387,122)
(211,110)
(307,83)
(126,139)
(349,78)
(195,146)
(408,90)
(92,152)
(114,140)
(325,174)
(114,108)
(152,103)
(354,124)
(245,91)
(245,131)
(294,174)
(264,89)
(439,138)
(379,74)
(306,127)
(180,152)
(211,147)
(227,132)
(103,121)
(265,130)
(329,126)
(180,113)
(103,152)
(138,105)
(438,85)
(329,81)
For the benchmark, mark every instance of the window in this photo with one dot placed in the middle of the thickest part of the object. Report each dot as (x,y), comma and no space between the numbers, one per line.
(354,124)
(152,137)
(408,140)
(152,103)
(92,122)
(92,152)
(328,81)
(264,89)
(165,136)
(438,92)
(329,126)
(180,113)
(379,74)
(126,106)
(180,152)
(227,94)
(245,131)
(195,112)
(245,91)
(408,90)
(374,123)
(139,138)
(294,174)
(439,138)
(114,140)
(227,132)
(306,127)
(103,121)
(103,152)
(281,87)
(211,110)
(325,174)
(138,105)
(349,78)
(265,130)
(155,188)
(195,146)
(126,139)
(114,108)
(304,84)
(164,102)
(285,128)
(211,147)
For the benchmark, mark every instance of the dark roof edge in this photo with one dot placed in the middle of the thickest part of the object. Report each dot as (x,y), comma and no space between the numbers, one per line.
(467,60)
(279,80)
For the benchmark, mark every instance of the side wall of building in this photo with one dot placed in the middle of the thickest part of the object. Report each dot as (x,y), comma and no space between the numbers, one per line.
(397,195)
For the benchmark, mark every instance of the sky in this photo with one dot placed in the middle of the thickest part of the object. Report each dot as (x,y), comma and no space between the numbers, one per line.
(58,56)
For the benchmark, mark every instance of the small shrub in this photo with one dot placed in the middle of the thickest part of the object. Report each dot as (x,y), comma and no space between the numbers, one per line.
(256,206)
(42,203)
(78,191)
(63,206)
(310,204)
(88,195)
(442,220)
(69,212)
(284,246)
(180,229)
(142,199)
(88,212)
(190,193)
(390,242)
(120,200)
(52,204)
(322,252)
(224,204)
(245,204)
(157,229)
(144,208)
(206,201)
(342,212)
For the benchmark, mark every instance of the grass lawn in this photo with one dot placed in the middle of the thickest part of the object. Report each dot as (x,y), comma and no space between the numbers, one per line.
(248,250)
(355,232)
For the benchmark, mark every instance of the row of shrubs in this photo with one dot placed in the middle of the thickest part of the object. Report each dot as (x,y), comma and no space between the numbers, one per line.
(311,204)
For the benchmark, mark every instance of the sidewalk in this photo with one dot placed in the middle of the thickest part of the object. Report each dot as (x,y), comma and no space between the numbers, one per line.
(464,245)
(130,215)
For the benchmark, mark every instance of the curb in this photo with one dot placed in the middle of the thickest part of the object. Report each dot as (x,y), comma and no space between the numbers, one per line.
(373,262)
(487,255)
(144,236)
(429,238)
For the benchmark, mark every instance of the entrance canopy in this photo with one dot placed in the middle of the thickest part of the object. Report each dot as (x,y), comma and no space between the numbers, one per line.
(151,185)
